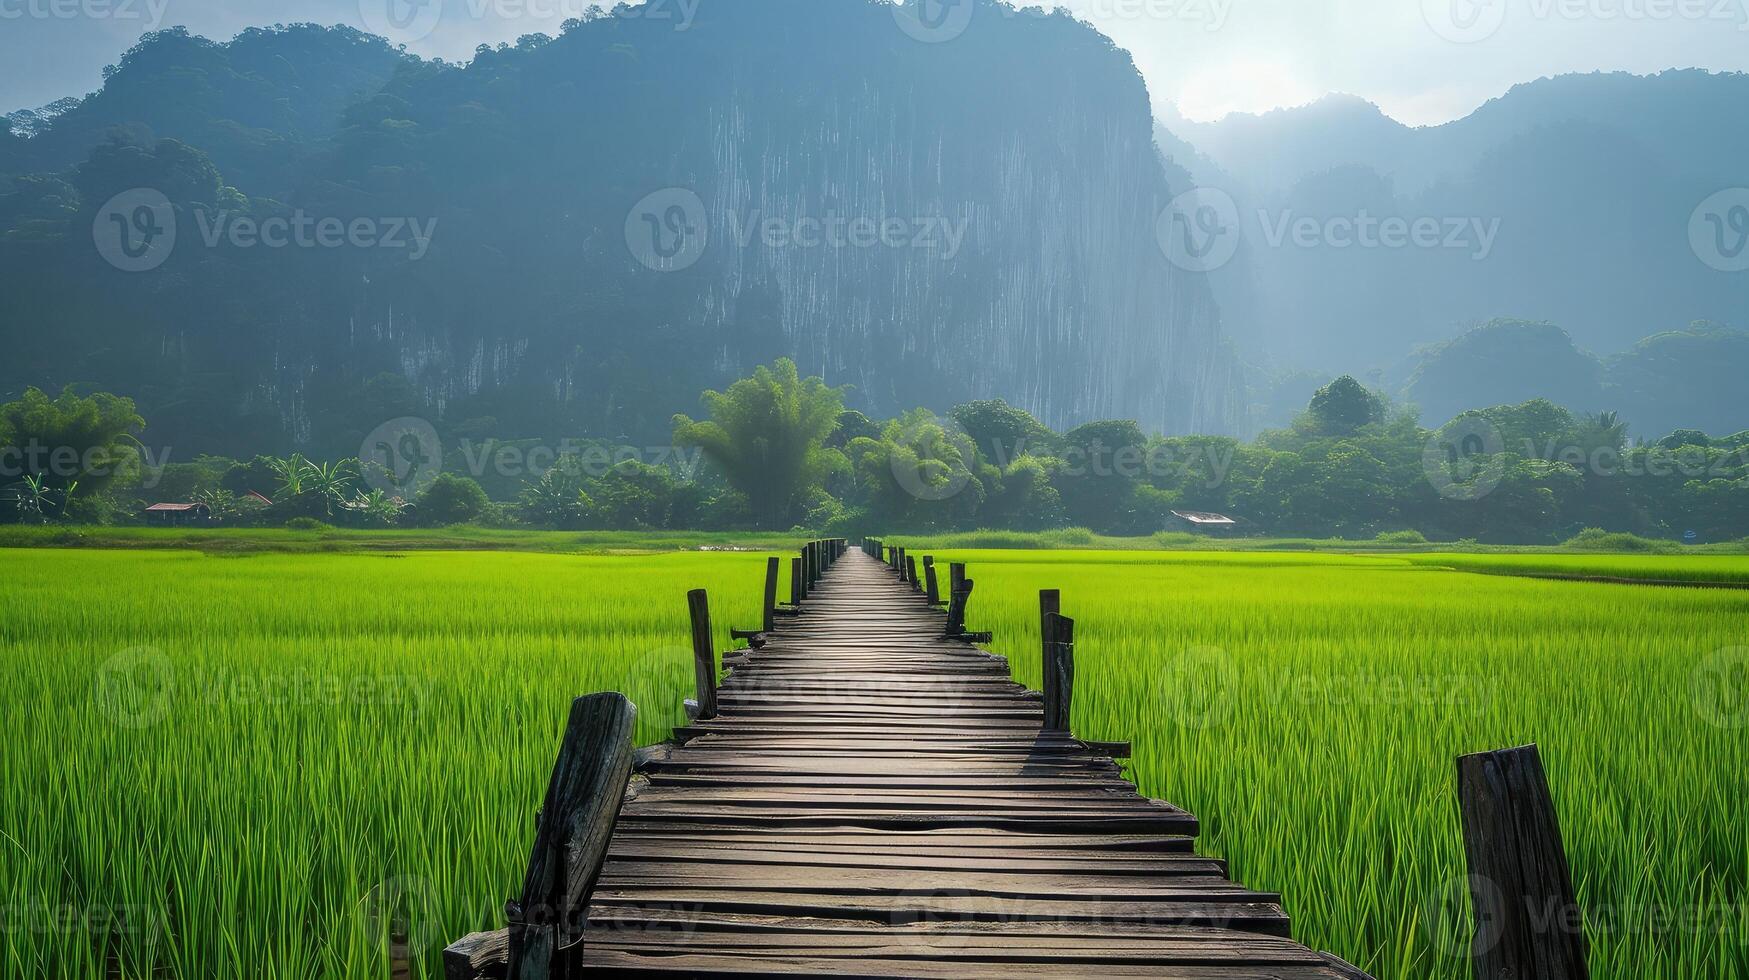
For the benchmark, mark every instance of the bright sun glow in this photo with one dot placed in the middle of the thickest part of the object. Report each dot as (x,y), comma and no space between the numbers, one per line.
(1249,85)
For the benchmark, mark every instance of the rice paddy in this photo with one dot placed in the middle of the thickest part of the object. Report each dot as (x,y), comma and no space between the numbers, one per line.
(245,766)
(1309,708)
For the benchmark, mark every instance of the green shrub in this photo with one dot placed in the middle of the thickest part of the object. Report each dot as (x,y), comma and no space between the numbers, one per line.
(1597,539)
(305,524)
(452,499)
(1401,537)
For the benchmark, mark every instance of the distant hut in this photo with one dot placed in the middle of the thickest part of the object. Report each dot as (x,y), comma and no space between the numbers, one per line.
(178,515)
(1204,522)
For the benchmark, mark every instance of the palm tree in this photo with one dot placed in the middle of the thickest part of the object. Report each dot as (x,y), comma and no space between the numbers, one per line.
(293,475)
(378,507)
(33,500)
(331,481)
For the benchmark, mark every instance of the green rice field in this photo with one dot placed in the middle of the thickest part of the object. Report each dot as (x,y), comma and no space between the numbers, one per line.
(227,765)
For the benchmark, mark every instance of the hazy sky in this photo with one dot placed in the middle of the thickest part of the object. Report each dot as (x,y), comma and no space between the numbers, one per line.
(1423,61)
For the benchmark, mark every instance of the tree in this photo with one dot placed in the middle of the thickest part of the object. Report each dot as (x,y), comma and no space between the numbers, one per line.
(920,474)
(557,499)
(1344,405)
(1102,464)
(853,425)
(767,434)
(69,442)
(1002,432)
(452,499)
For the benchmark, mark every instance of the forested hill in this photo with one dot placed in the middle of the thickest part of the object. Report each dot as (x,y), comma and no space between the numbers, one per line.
(258,105)
(927,220)
(1611,204)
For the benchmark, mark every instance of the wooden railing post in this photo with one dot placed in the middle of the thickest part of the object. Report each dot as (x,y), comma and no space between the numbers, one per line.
(768,618)
(1059,671)
(1050,603)
(956,607)
(911,573)
(771,569)
(1528,924)
(932,588)
(704,657)
(547,919)
(795,581)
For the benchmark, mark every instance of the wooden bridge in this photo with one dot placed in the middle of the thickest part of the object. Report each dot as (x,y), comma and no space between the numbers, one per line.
(870,796)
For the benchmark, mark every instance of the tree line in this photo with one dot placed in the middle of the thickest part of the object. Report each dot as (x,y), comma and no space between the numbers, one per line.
(777,450)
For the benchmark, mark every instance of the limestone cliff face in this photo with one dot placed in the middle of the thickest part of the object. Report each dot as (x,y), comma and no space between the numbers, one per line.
(1026,268)
(927,222)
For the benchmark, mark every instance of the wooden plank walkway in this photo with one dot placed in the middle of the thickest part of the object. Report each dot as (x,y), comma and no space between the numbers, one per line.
(874,800)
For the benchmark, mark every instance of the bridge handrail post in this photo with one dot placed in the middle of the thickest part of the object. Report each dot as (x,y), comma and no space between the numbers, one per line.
(771,570)
(1528,922)
(1050,603)
(1059,671)
(576,820)
(704,657)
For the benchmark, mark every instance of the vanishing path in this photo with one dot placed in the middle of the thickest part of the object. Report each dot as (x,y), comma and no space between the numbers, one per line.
(874,800)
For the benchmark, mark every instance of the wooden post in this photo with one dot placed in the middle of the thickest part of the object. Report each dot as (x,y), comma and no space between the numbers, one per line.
(583,798)
(795,581)
(704,656)
(1528,925)
(911,572)
(1059,671)
(771,567)
(1050,602)
(956,607)
(931,587)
